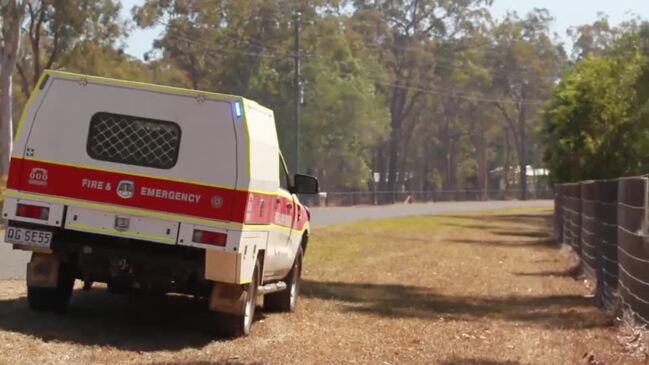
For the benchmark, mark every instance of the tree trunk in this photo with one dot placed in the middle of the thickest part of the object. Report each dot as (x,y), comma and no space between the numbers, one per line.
(382,168)
(6,128)
(446,150)
(425,168)
(393,157)
(483,173)
(479,141)
(522,156)
(8,58)
(507,163)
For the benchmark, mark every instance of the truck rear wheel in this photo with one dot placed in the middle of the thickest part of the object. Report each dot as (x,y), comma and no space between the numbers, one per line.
(286,300)
(54,299)
(238,325)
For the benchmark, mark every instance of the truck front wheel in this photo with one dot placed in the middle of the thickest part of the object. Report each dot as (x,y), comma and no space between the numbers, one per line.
(286,300)
(53,299)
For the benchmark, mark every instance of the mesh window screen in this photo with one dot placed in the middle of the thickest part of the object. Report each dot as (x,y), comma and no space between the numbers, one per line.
(134,141)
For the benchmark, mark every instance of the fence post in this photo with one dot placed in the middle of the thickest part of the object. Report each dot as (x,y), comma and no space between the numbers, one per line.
(567,214)
(588,228)
(633,254)
(575,218)
(606,251)
(558,213)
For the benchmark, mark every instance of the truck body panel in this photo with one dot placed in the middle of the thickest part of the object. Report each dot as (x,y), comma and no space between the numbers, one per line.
(157,164)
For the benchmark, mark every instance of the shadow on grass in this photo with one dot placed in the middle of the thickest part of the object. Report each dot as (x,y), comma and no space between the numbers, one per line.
(507,244)
(476,361)
(518,226)
(211,362)
(572,272)
(399,301)
(134,323)
(479,227)
(497,221)
(526,234)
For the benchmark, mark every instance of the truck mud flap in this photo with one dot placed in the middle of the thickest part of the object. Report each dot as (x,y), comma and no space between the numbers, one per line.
(43,271)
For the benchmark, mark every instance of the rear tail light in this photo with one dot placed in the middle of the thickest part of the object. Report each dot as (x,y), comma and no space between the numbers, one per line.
(33,211)
(209,238)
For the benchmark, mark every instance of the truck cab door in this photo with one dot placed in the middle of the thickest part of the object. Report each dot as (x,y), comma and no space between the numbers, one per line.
(279,262)
(289,210)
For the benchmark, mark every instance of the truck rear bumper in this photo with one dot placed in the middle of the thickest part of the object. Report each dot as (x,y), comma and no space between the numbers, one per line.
(139,264)
(80,222)
(123,222)
(121,225)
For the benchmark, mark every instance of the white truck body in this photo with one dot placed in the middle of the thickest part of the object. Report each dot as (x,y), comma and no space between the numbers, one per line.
(156,164)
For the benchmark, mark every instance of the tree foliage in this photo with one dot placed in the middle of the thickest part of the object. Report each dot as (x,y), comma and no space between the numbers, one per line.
(408,94)
(55,27)
(596,122)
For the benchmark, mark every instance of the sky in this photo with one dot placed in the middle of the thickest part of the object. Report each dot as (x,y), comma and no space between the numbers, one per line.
(567,13)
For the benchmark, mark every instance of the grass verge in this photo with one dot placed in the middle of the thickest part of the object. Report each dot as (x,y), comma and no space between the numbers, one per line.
(480,288)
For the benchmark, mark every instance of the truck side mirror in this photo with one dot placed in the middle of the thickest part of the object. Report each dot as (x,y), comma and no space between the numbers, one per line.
(305,184)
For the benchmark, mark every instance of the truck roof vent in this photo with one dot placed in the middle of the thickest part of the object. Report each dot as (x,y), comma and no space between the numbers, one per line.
(133,140)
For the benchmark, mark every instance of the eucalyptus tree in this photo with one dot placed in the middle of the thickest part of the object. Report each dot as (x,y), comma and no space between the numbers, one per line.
(406,35)
(527,63)
(246,48)
(594,38)
(55,27)
(11,15)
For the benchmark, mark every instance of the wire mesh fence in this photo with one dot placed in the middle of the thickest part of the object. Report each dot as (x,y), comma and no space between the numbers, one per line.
(606,251)
(589,228)
(604,222)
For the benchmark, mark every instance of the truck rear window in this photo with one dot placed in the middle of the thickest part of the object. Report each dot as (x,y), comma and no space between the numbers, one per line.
(133,140)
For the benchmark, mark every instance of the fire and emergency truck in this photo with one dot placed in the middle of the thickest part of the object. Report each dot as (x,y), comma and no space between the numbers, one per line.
(156,189)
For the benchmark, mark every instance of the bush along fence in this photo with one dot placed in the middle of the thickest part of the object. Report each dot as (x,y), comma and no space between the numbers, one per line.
(605,223)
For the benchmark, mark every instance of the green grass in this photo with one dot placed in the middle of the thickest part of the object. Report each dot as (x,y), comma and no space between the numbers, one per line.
(350,243)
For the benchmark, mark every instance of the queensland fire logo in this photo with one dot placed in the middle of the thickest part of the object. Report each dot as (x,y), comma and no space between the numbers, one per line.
(216,201)
(126,189)
(38,176)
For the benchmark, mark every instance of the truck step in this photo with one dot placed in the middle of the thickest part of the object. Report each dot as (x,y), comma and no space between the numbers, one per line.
(271,288)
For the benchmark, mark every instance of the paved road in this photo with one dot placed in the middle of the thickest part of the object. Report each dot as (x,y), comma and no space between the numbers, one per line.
(12,262)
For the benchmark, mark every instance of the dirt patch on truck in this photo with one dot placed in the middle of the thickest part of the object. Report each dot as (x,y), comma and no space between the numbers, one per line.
(483,288)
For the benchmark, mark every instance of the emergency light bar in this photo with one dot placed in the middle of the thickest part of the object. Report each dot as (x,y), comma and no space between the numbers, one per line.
(238,112)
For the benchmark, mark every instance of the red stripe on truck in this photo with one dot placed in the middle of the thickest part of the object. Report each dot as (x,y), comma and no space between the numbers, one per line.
(153,194)
(13,179)
(127,190)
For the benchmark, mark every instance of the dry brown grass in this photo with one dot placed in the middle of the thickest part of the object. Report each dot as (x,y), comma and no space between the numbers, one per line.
(484,288)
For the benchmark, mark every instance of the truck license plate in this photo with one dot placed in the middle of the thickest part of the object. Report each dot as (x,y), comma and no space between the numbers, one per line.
(29,237)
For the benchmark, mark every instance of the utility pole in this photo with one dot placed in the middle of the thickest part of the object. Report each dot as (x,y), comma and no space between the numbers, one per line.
(298,90)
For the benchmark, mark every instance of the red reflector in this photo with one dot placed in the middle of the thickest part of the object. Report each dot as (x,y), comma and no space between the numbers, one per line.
(209,238)
(32,211)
